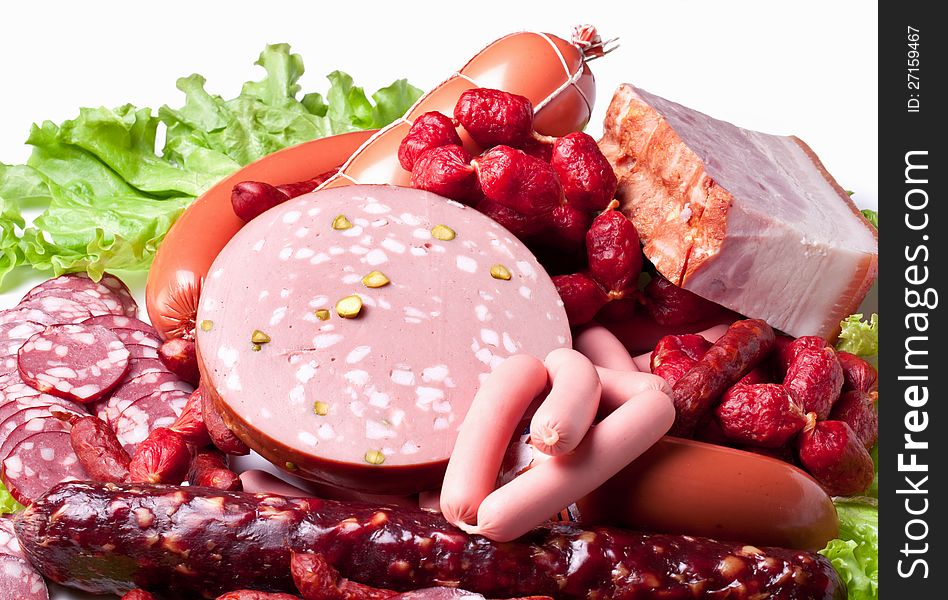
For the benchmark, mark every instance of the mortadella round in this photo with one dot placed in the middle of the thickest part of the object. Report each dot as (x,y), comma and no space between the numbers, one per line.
(343,334)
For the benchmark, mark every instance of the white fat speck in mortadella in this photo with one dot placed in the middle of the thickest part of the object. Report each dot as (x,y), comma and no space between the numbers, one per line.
(365,360)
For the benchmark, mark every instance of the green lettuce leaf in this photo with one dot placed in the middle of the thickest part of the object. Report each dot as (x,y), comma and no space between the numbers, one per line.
(7,503)
(871,216)
(108,195)
(859,337)
(855,554)
(20,187)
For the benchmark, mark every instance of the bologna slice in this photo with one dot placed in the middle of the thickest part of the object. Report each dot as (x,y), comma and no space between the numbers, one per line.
(76,362)
(435,295)
(19,580)
(39,462)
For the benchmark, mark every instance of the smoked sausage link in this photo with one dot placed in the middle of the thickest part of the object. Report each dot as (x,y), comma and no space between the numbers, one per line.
(742,347)
(191,541)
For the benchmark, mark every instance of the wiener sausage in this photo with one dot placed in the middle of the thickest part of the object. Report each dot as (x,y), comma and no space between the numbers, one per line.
(487,429)
(604,349)
(194,241)
(745,344)
(101,538)
(563,418)
(550,71)
(694,488)
(583,456)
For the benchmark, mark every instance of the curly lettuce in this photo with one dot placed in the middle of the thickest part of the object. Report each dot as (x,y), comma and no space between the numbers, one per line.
(7,503)
(859,337)
(855,554)
(107,194)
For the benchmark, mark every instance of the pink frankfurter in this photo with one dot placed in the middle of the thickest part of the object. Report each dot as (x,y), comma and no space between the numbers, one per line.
(566,414)
(484,435)
(554,482)
(604,349)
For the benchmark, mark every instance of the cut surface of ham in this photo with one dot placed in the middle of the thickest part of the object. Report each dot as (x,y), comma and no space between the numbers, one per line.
(749,220)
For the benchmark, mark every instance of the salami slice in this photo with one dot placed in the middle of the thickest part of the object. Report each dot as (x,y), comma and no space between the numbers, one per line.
(110,290)
(92,303)
(16,389)
(9,544)
(8,365)
(141,351)
(121,322)
(22,424)
(139,387)
(62,310)
(21,314)
(44,401)
(121,291)
(140,366)
(76,362)
(38,463)
(13,334)
(18,579)
(139,418)
(136,336)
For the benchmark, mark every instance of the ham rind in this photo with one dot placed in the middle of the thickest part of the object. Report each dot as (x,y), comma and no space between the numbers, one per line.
(749,220)
(372,402)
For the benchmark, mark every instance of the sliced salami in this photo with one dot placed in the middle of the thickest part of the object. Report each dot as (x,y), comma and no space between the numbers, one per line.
(141,351)
(62,310)
(139,387)
(22,424)
(9,544)
(19,580)
(16,389)
(9,379)
(141,366)
(121,291)
(38,463)
(38,401)
(13,334)
(110,290)
(8,365)
(21,314)
(121,322)
(139,418)
(76,362)
(137,336)
(91,303)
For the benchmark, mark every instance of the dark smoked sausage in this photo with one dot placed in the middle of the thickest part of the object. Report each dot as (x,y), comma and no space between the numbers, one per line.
(742,347)
(187,541)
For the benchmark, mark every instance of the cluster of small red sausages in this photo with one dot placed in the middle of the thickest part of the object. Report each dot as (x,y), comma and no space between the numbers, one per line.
(555,194)
(774,395)
(194,448)
(316,579)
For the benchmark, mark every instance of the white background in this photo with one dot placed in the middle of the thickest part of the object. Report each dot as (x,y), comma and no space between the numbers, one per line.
(806,68)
